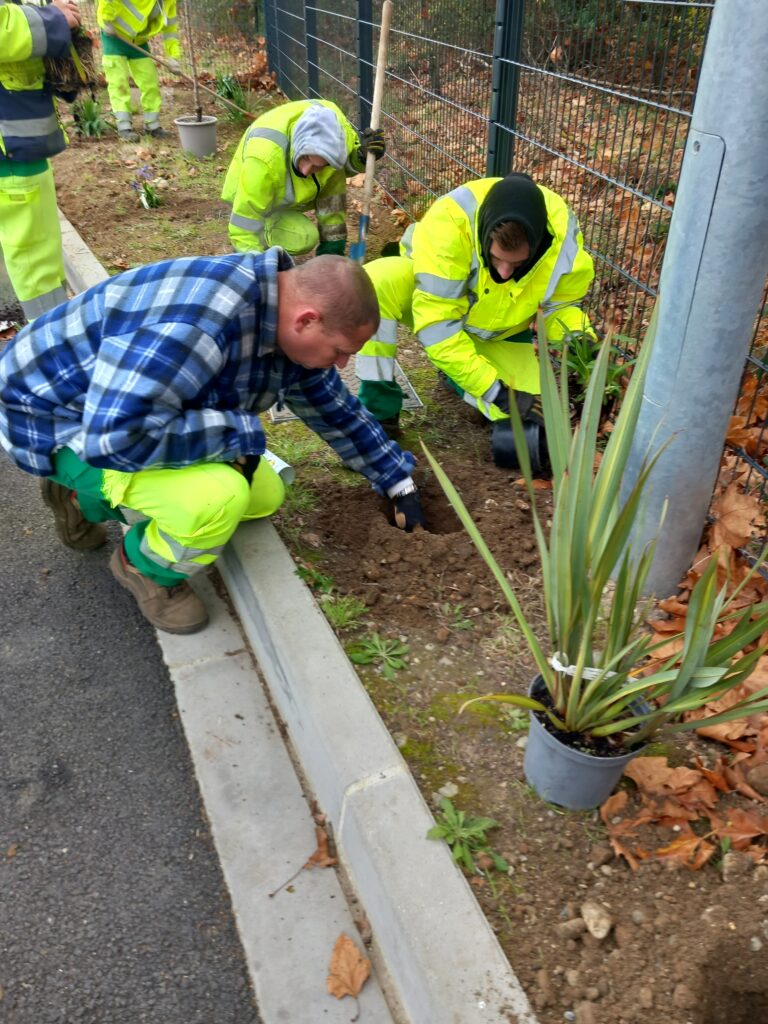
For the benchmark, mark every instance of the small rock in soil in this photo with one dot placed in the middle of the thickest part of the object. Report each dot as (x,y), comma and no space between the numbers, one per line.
(736,865)
(758,779)
(597,919)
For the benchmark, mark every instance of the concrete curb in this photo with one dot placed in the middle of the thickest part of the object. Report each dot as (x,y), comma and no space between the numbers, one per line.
(443,961)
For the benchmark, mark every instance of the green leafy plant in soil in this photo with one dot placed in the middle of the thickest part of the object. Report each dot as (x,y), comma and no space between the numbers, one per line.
(389,655)
(467,838)
(89,120)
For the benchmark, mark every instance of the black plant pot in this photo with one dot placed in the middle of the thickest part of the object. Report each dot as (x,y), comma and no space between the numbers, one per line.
(504,448)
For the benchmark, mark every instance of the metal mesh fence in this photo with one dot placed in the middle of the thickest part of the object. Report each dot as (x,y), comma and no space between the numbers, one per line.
(593,98)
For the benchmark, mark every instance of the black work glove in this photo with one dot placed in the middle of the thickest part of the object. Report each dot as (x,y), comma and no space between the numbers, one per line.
(247,465)
(408,511)
(528,405)
(371,141)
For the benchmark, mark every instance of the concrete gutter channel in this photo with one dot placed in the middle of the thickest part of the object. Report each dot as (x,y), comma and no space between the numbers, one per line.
(435,955)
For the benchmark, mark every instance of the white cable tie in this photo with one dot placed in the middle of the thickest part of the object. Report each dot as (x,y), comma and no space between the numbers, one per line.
(570,670)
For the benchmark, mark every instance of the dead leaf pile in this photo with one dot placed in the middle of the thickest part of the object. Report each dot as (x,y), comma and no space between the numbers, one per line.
(684,805)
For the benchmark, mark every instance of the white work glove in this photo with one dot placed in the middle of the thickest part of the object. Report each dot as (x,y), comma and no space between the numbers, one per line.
(173,65)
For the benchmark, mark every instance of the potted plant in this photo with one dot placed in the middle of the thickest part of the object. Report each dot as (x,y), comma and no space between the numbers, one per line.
(591,707)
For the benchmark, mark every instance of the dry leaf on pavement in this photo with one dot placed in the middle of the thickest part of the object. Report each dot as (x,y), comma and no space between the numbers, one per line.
(321,858)
(348,969)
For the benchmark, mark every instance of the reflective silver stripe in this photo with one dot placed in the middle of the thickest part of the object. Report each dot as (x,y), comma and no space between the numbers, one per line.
(123,117)
(182,560)
(37,31)
(42,303)
(565,258)
(332,204)
(387,332)
(152,118)
(132,10)
(128,30)
(31,128)
(466,200)
(483,334)
(171,35)
(407,240)
(279,138)
(438,332)
(131,516)
(246,223)
(375,367)
(442,287)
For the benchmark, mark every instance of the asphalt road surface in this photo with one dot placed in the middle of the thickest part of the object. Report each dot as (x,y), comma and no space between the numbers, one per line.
(113,909)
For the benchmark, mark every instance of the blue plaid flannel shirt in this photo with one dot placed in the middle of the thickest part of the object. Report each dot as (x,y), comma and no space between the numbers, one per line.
(169,365)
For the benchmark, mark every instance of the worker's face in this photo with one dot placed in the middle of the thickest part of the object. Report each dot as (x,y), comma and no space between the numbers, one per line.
(306,342)
(307,165)
(506,261)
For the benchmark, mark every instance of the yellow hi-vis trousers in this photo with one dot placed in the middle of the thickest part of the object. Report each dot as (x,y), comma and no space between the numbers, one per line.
(118,72)
(30,238)
(180,518)
(514,357)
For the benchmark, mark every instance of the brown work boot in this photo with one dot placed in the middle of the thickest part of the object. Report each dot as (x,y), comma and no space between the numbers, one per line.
(175,609)
(72,527)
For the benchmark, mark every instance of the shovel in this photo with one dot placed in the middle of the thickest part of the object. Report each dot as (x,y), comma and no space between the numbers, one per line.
(357,249)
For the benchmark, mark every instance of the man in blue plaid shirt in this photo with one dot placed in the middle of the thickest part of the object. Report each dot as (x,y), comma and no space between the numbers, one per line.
(138,400)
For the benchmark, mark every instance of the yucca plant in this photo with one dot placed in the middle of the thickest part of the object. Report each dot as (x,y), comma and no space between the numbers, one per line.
(597,639)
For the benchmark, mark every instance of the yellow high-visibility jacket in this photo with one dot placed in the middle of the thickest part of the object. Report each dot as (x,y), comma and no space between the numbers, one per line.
(140,20)
(456,302)
(261,181)
(29,125)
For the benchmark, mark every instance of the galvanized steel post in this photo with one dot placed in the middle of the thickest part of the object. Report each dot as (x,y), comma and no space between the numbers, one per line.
(711,284)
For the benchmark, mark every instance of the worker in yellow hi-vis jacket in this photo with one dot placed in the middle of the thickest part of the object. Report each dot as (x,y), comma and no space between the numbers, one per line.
(124,22)
(30,133)
(469,281)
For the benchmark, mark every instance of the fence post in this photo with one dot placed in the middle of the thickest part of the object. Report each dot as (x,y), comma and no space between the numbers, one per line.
(310,42)
(272,32)
(364,61)
(507,46)
(710,289)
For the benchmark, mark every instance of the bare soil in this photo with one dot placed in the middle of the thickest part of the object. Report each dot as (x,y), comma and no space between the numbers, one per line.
(684,947)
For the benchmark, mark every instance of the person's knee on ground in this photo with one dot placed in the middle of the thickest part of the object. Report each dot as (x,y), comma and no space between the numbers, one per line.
(293,232)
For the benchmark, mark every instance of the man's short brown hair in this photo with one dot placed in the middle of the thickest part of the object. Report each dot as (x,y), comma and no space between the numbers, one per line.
(342,292)
(509,236)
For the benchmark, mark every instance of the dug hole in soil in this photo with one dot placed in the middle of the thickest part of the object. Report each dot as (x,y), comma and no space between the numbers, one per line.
(671,945)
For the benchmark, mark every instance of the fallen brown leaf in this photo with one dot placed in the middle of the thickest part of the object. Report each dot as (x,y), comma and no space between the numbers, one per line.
(321,858)
(348,969)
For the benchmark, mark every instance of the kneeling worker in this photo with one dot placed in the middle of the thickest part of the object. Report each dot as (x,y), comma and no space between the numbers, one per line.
(472,275)
(139,401)
(293,159)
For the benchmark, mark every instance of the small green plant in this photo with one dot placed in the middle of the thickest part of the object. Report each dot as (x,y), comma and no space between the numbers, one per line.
(315,579)
(229,88)
(375,650)
(342,611)
(88,118)
(454,618)
(579,351)
(147,192)
(466,837)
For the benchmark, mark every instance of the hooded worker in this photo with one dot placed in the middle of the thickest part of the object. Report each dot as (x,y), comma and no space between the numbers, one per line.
(472,275)
(294,159)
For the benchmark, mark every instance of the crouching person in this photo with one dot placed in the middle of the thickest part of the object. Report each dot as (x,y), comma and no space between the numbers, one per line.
(139,401)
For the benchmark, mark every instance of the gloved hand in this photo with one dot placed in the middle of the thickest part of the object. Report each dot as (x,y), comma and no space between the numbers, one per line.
(408,511)
(247,465)
(331,248)
(173,65)
(528,405)
(372,141)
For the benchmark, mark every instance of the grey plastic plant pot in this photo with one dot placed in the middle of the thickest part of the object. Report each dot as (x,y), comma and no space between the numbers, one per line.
(562,775)
(197,137)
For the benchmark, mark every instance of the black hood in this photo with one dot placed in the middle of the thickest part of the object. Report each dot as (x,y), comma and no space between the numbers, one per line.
(516,197)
